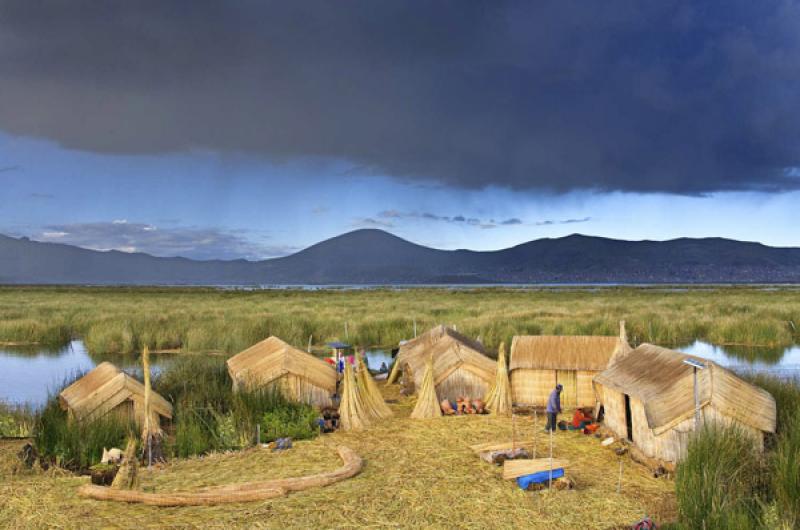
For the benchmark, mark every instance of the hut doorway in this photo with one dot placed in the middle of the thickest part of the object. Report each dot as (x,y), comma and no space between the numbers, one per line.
(569,394)
(628,418)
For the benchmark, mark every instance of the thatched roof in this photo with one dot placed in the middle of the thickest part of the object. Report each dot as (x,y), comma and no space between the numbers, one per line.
(552,352)
(664,383)
(450,350)
(103,389)
(272,358)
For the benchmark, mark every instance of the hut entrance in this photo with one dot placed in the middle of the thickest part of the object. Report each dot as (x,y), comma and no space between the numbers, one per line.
(628,418)
(569,394)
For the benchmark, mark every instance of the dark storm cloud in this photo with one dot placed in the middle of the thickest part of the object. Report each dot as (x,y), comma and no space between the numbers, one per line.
(674,96)
(189,242)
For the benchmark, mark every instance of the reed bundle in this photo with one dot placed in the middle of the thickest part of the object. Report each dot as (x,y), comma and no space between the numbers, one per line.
(354,414)
(427,402)
(498,399)
(251,491)
(370,393)
(127,477)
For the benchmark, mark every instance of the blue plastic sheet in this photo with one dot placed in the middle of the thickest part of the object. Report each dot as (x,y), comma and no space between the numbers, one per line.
(537,478)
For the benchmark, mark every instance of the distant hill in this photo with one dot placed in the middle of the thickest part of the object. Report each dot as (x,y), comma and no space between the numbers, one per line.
(377,257)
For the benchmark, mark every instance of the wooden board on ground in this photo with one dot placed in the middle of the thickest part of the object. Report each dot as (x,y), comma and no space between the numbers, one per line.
(500,446)
(519,468)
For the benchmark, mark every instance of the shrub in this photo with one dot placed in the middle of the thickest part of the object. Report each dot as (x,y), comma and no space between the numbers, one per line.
(298,422)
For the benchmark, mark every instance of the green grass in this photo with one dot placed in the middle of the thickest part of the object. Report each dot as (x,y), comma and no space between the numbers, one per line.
(716,484)
(723,483)
(119,320)
(15,421)
(209,416)
(77,445)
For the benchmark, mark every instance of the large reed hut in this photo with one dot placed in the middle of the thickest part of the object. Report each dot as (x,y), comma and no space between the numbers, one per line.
(648,398)
(108,390)
(540,362)
(460,364)
(298,374)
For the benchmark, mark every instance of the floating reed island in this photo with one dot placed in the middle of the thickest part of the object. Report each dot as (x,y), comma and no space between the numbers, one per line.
(646,395)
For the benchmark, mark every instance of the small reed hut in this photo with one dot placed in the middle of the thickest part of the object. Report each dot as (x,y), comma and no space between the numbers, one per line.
(648,398)
(460,365)
(298,374)
(108,390)
(540,362)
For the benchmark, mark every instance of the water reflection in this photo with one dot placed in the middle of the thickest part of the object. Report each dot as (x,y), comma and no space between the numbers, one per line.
(28,376)
(377,358)
(783,362)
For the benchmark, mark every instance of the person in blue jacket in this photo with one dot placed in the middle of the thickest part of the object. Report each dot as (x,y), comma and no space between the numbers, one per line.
(553,408)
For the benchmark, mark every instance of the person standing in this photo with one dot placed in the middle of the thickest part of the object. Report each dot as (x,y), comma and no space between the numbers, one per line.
(553,408)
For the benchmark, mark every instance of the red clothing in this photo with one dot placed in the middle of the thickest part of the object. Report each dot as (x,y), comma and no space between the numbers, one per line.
(579,418)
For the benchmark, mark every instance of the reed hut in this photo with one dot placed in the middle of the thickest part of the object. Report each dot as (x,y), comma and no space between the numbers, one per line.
(540,362)
(460,365)
(648,399)
(272,362)
(108,390)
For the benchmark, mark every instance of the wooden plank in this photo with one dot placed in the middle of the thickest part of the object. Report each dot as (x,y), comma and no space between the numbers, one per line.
(500,446)
(519,468)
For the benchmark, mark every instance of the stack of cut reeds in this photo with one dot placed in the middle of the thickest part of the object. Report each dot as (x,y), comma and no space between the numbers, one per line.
(427,401)
(353,411)
(370,393)
(498,400)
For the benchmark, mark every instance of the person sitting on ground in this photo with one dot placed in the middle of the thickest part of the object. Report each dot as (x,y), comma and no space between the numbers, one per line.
(553,408)
(468,408)
(579,420)
(447,408)
(480,406)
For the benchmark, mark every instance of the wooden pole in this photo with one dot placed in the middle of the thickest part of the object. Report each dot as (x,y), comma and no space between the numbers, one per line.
(147,391)
(619,481)
(309,342)
(535,431)
(415,328)
(513,432)
(550,481)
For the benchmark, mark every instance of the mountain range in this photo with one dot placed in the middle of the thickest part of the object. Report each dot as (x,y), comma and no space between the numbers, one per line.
(370,257)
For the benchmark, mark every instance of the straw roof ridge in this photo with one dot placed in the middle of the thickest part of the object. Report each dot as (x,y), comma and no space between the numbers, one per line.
(448,354)
(564,352)
(664,383)
(271,358)
(105,387)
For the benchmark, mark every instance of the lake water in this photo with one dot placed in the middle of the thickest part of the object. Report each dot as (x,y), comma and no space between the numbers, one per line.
(28,375)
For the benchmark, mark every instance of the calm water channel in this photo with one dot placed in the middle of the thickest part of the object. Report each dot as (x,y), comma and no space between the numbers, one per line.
(27,375)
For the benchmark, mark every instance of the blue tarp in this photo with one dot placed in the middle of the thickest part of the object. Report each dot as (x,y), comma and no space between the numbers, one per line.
(537,478)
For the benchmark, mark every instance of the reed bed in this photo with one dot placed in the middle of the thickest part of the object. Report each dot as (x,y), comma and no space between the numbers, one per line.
(416,475)
(119,320)
(725,483)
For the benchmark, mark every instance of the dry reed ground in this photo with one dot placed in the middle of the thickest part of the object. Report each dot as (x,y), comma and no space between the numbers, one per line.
(418,473)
